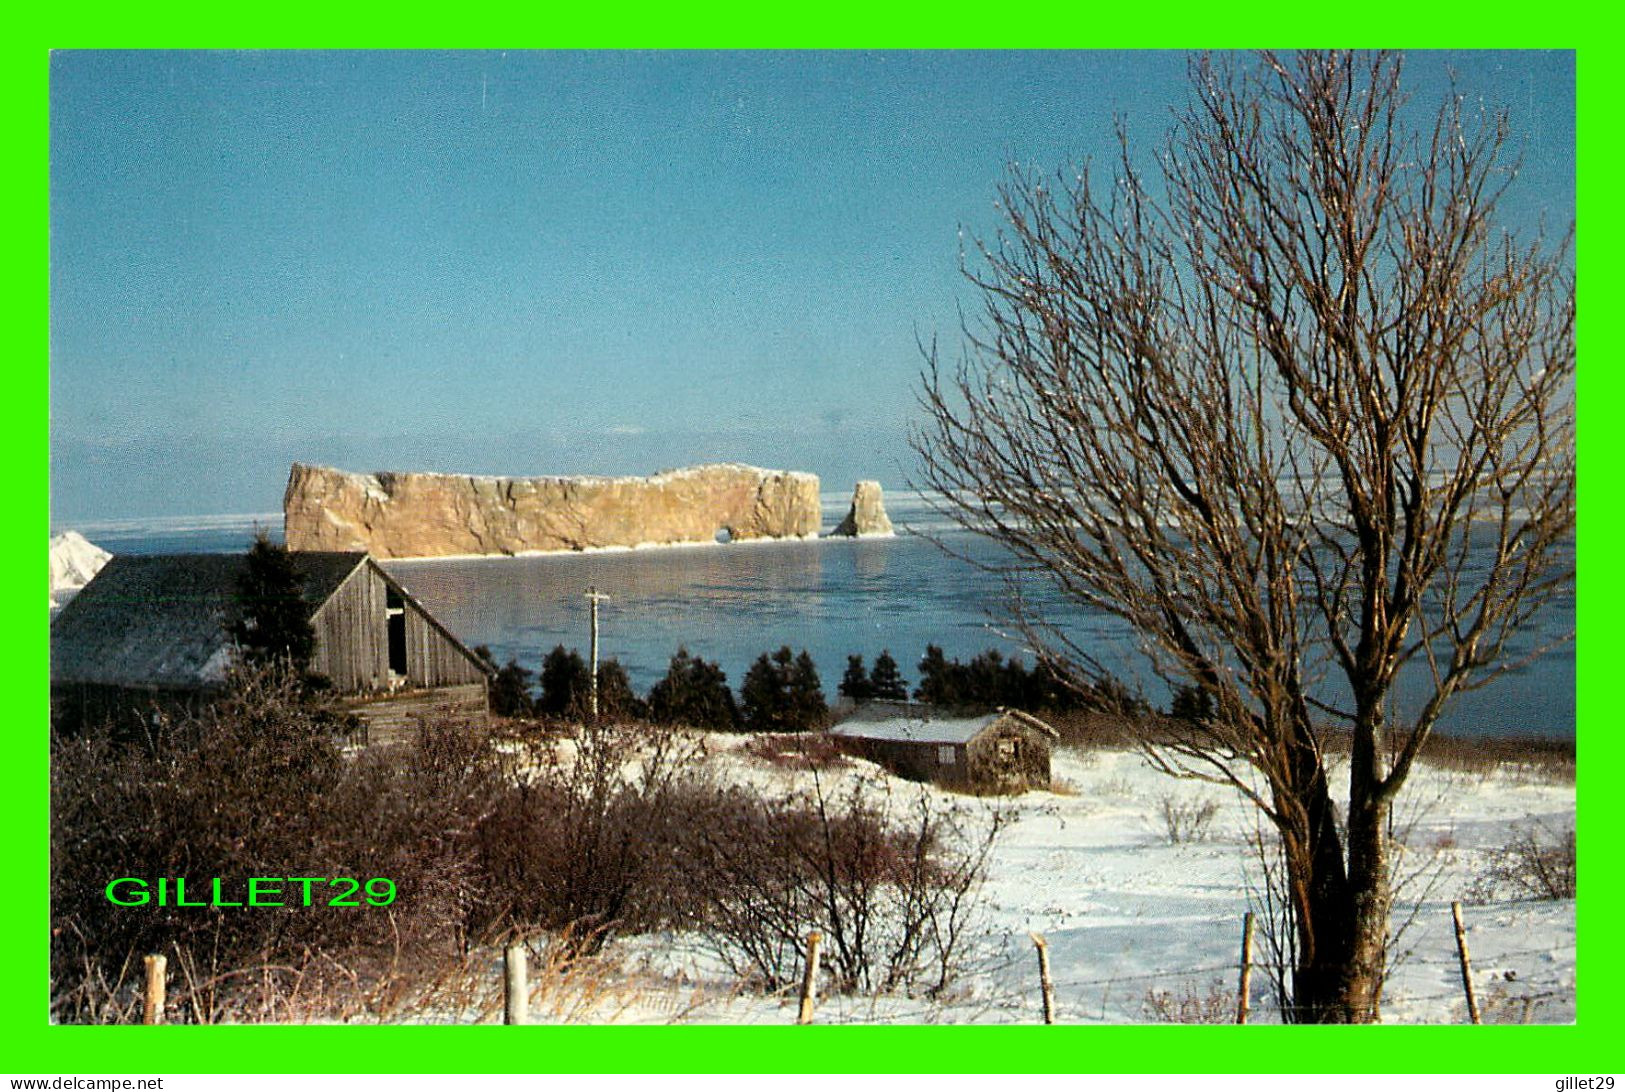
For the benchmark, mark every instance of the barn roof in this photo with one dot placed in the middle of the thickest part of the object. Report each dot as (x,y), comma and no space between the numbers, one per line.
(160,620)
(901,722)
(917,729)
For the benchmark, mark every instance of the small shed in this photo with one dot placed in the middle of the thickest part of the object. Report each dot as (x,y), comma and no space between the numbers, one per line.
(1002,751)
(153,631)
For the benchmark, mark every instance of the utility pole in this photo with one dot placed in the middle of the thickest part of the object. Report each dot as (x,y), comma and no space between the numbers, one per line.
(593,596)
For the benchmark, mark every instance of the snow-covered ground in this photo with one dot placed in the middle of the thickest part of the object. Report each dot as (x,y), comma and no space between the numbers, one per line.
(74,562)
(1139,927)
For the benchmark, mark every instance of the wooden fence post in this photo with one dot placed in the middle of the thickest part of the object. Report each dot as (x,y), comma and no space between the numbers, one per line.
(1245,989)
(515,993)
(1466,964)
(152,1003)
(809,980)
(1045,984)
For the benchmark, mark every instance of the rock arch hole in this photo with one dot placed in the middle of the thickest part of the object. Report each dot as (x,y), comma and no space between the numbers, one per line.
(725,534)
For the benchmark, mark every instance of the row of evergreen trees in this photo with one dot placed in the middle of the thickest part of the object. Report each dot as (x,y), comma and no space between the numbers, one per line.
(781,692)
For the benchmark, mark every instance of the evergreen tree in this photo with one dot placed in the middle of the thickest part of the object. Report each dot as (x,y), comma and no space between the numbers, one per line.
(886,683)
(806,707)
(616,698)
(1192,703)
(1047,690)
(985,679)
(855,683)
(693,693)
(274,618)
(510,686)
(988,681)
(939,681)
(764,696)
(782,693)
(565,683)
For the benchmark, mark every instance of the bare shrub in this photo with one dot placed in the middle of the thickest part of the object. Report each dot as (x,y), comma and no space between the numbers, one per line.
(596,832)
(799,750)
(1187,820)
(893,889)
(1216,1006)
(1536,864)
(255,785)
(584,841)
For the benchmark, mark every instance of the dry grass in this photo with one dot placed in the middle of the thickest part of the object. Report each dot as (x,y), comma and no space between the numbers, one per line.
(1216,1006)
(1522,757)
(1545,761)
(565,987)
(1118,785)
(1505,1005)
(1094,731)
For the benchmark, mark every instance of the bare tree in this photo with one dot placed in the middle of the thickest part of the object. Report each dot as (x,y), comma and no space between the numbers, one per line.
(1301,412)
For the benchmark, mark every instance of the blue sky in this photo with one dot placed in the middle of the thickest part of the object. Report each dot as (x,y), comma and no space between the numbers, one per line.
(527,263)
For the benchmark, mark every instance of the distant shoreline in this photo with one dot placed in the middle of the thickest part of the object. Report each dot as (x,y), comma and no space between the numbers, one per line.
(641,547)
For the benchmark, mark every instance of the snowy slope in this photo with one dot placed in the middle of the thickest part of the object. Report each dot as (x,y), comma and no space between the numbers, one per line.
(1140,928)
(74,562)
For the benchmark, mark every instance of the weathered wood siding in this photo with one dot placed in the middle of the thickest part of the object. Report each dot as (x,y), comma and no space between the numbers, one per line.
(1009,755)
(352,648)
(352,640)
(917,761)
(399,718)
(431,657)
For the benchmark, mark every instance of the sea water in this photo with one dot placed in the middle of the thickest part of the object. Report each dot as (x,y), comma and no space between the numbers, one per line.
(833,597)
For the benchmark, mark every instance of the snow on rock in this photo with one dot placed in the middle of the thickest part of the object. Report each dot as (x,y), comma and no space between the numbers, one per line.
(401,515)
(74,562)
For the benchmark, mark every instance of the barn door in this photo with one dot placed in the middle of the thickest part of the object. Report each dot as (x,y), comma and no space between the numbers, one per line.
(395,613)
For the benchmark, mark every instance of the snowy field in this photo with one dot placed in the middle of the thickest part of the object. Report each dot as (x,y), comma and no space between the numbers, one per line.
(1141,928)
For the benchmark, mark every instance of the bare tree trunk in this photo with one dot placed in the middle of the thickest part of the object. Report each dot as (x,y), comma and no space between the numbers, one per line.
(1324,922)
(1343,919)
(1371,896)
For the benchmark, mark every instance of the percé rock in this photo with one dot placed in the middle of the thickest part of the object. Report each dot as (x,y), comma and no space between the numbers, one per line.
(439,515)
(867,515)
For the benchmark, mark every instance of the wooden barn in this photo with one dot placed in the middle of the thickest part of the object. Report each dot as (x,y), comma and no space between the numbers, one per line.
(1005,751)
(152,632)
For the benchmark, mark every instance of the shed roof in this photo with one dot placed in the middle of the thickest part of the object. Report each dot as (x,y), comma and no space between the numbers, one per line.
(916,727)
(903,722)
(160,620)
(907,722)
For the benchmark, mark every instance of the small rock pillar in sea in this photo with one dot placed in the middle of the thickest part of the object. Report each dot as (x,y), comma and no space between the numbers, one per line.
(867,515)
